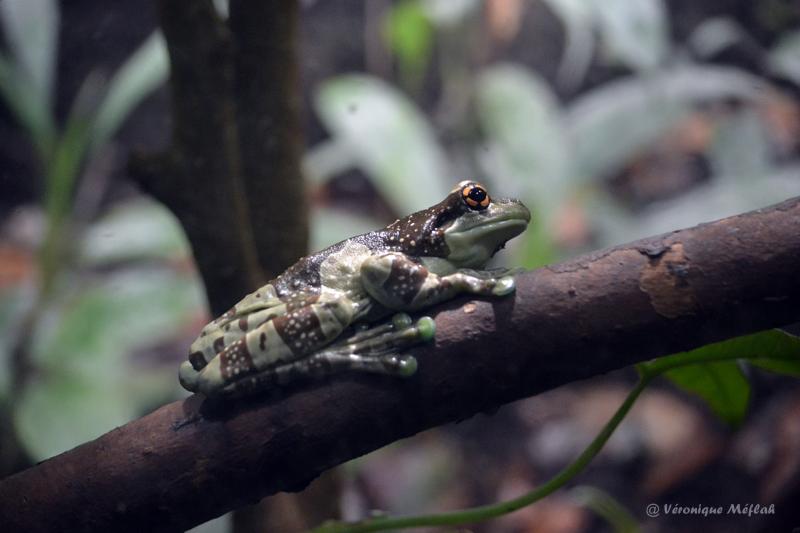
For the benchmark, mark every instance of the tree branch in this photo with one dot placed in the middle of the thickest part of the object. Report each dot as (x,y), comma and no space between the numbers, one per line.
(189,461)
(200,178)
(268,97)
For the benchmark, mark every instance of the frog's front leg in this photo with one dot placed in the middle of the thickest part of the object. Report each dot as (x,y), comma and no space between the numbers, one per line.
(399,283)
(275,342)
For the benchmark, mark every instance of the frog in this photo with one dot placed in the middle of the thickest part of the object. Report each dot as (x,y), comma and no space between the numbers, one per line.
(327,312)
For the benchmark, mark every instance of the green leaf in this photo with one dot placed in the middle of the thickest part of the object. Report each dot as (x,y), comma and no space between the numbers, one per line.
(538,248)
(781,353)
(140,229)
(31,31)
(54,415)
(785,57)
(741,150)
(715,34)
(70,151)
(722,197)
(143,72)
(721,384)
(87,380)
(15,301)
(131,309)
(610,124)
(388,138)
(789,367)
(325,159)
(577,16)
(713,373)
(525,133)
(634,32)
(409,34)
(449,13)
(61,175)
(26,106)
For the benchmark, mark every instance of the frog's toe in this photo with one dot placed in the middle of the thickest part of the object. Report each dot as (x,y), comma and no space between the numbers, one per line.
(401,365)
(208,380)
(401,320)
(426,328)
(187,375)
(504,286)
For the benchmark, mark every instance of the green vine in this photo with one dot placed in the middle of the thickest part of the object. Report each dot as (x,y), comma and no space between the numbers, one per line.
(647,373)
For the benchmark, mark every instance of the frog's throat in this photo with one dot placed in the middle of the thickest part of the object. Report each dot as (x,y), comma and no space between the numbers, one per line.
(473,247)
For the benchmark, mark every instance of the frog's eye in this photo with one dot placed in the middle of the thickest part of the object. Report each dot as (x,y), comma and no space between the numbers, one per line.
(475,196)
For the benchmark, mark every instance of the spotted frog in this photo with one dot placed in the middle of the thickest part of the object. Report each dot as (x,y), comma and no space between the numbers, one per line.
(318,316)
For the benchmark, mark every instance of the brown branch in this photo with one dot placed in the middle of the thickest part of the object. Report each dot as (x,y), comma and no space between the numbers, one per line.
(199,177)
(188,462)
(232,175)
(267,94)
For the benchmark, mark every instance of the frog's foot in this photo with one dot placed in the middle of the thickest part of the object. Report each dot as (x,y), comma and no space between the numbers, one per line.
(492,273)
(375,350)
(503,286)
(399,332)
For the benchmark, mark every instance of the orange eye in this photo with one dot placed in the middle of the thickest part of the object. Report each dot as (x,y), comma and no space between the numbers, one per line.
(475,196)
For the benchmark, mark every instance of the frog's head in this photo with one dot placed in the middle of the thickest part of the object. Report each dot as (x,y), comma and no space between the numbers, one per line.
(466,228)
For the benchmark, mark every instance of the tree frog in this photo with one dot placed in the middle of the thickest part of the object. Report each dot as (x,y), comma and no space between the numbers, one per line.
(314,318)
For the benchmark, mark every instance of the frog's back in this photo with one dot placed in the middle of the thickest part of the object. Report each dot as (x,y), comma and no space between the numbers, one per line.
(306,274)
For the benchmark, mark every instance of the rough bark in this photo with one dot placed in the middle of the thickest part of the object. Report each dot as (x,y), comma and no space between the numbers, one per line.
(190,461)
(200,176)
(232,173)
(268,100)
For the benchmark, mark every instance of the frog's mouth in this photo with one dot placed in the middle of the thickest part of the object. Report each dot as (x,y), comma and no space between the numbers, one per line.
(472,241)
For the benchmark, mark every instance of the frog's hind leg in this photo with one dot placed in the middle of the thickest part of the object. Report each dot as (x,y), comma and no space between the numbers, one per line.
(374,350)
(302,330)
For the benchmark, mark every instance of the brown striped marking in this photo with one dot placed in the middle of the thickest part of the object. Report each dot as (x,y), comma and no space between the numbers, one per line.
(300,330)
(405,279)
(235,361)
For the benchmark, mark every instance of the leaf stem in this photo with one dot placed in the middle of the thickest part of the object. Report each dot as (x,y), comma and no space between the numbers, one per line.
(484,512)
(647,373)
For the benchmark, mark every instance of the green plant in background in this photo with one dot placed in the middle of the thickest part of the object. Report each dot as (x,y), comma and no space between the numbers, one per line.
(773,350)
(549,154)
(67,375)
(84,322)
(409,33)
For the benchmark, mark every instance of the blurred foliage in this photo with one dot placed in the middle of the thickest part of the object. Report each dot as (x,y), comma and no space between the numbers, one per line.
(633,33)
(409,34)
(558,157)
(67,371)
(561,146)
(768,346)
(378,129)
(115,288)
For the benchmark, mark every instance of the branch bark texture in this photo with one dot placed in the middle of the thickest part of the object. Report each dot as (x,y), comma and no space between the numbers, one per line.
(232,174)
(190,461)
